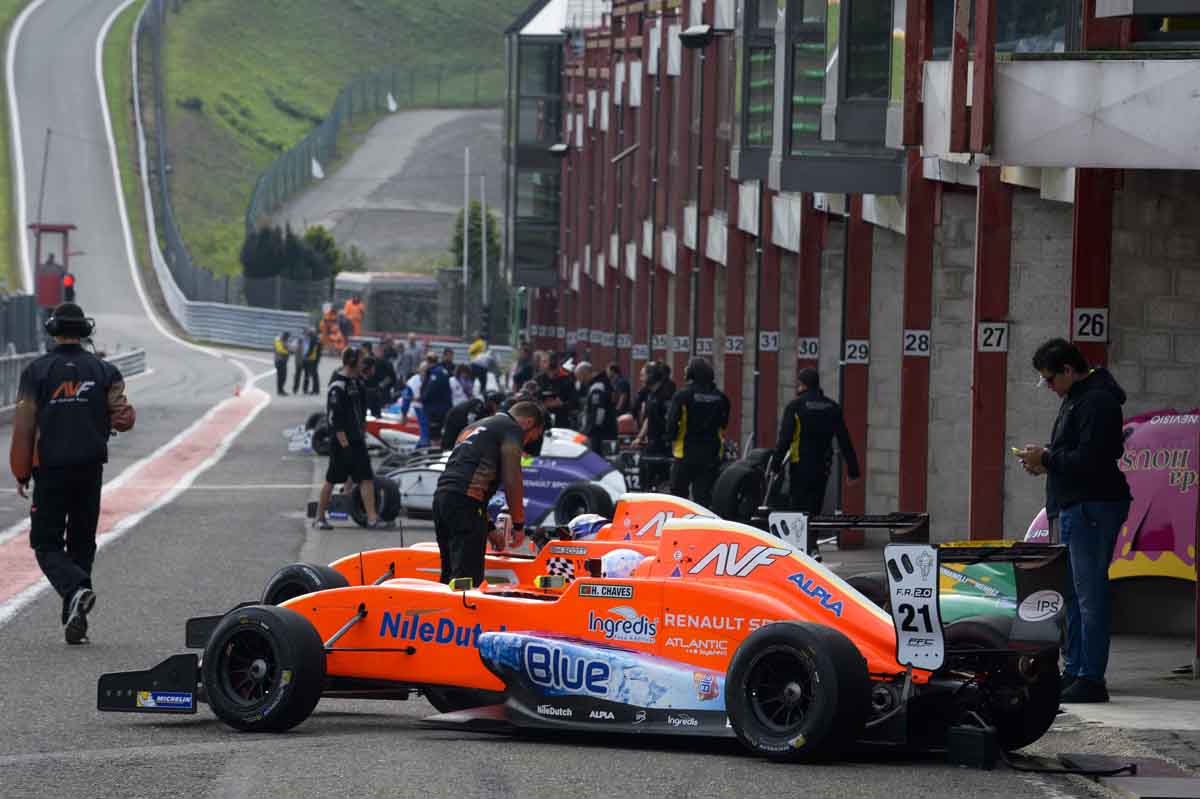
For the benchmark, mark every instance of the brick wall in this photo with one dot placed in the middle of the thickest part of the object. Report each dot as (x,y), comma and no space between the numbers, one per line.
(789,284)
(1155,313)
(883,416)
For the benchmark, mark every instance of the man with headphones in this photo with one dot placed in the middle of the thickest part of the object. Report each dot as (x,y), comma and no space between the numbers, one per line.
(68,403)
(349,461)
(696,428)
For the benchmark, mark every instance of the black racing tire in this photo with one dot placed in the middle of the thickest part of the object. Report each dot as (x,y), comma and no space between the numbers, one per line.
(387,502)
(313,420)
(757,458)
(263,669)
(582,497)
(449,700)
(738,492)
(874,586)
(797,691)
(1021,709)
(322,439)
(299,579)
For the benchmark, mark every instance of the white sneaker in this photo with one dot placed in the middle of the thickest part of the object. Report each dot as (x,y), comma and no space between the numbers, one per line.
(81,605)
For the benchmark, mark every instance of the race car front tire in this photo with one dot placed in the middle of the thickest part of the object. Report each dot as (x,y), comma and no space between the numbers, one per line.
(582,497)
(299,579)
(738,492)
(263,669)
(797,691)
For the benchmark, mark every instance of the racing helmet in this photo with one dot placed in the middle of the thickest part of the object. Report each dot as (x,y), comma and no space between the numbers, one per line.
(620,563)
(586,525)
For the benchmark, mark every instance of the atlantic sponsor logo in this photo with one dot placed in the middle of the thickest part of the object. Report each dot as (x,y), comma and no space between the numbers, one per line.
(557,712)
(681,720)
(728,561)
(605,591)
(687,621)
(627,626)
(818,592)
(701,647)
(436,630)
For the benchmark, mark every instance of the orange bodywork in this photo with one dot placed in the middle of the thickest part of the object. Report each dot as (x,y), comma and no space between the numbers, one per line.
(704,586)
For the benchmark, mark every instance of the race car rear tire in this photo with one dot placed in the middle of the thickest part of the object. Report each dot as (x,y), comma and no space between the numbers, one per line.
(263,669)
(757,458)
(299,579)
(582,497)
(313,420)
(1021,723)
(874,586)
(387,502)
(738,492)
(322,439)
(449,700)
(797,691)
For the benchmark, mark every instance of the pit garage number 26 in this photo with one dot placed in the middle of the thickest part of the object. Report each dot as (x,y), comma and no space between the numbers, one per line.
(912,573)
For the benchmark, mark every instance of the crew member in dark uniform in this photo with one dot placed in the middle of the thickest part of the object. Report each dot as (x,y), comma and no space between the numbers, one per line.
(558,392)
(467,413)
(810,423)
(599,415)
(346,412)
(488,453)
(696,428)
(68,402)
(654,401)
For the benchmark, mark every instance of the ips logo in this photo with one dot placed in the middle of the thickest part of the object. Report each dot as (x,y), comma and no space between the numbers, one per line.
(71,391)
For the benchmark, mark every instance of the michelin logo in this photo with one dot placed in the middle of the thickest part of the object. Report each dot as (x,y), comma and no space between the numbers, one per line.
(165,699)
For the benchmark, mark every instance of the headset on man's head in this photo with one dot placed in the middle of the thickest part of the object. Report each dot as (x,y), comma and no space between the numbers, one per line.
(71,326)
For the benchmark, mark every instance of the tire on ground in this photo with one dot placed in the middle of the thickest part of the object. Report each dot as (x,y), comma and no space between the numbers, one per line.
(299,579)
(825,673)
(874,586)
(322,439)
(1021,722)
(448,700)
(582,497)
(313,420)
(387,502)
(738,492)
(263,669)
(757,458)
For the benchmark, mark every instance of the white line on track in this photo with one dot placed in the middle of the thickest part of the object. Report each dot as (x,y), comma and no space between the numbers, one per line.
(254,487)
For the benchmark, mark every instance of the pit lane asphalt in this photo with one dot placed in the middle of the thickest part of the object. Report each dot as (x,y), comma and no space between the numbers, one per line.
(216,545)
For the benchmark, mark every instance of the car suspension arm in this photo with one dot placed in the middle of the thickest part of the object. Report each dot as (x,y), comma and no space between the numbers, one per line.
(359,616)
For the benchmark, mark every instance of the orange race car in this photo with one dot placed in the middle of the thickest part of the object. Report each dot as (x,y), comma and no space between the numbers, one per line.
(658,624)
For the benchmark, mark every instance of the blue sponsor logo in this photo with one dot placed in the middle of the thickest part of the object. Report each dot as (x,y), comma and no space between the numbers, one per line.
(818,592)
(551,667)
(165,699)
(443,631)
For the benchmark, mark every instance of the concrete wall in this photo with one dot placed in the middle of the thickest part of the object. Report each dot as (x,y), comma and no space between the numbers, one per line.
(789,285)
(883,416)
(950,368)
(1155,306)
(833,271)
(748,356)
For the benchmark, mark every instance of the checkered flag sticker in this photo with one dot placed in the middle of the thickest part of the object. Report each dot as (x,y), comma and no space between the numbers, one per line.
(561,566)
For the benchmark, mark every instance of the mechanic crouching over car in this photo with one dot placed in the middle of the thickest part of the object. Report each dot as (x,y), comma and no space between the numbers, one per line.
(67,404)
(349,460)
(488,453)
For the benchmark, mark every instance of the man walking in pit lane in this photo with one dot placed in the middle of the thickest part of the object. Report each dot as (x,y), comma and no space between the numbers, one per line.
(487,454)
(346,412)
(67,403)
(1093,499)
(696,427)
(810,423)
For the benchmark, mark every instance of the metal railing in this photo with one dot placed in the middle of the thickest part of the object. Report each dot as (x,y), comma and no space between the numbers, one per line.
(130,363)
(11,367)
(20,323)
(386,91)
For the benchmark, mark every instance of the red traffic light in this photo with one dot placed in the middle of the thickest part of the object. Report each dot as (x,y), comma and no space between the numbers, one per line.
(68,281)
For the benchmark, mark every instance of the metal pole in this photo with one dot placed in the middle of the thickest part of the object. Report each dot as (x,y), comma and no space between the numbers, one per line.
(653,217)
(483,238)
(466,248)
(758,267)
(698,257)
(42,190)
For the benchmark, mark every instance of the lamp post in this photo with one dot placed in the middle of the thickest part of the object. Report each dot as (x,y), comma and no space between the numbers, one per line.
(698,38)
(560,150)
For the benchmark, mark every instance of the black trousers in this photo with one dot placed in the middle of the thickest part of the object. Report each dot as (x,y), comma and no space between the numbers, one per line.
(479,375)
(807,489)
(280,375)
(312,380)
(66,509)
(461,525)
(699,475)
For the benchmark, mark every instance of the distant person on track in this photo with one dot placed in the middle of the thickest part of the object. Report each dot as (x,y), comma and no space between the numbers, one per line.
(68,402)
(331,334)
(298,349)
(346,412)
(355,311)
(488,454)
(436,396)
(282,353)
(312,363)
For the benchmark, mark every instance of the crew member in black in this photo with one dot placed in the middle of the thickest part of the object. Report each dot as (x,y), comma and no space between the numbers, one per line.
(654,400)
(488,454)
(67,403)
(467,413)
(349,462)
(696,428)
(599,415)
(558,391)
(806,432)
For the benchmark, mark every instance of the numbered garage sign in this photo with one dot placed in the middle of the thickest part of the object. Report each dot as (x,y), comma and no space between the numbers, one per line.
(768,341)
(1091,324)
(808,349)
(916,343)
(735,345)
(641,352)
(659,341)
(704,346)
(858,351)
(912,574)
(993,336)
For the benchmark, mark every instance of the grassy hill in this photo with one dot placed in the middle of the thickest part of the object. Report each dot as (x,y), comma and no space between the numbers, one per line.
(246,79)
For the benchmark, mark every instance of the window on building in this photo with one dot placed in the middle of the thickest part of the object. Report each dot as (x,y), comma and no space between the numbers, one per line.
(807,33)
(766,12)
(726,69)
(1167,32)
(761,97)
(868,45)
(1022,26)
